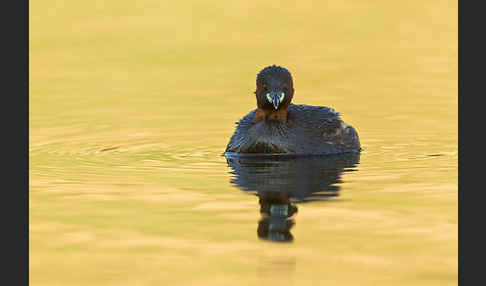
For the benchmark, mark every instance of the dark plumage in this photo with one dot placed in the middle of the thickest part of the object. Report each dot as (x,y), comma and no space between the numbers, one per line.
(278,126)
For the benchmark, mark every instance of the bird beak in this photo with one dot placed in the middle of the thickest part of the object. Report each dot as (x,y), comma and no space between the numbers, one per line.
(276,100)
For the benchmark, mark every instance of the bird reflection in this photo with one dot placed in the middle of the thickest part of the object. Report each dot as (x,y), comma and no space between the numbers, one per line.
(281,182)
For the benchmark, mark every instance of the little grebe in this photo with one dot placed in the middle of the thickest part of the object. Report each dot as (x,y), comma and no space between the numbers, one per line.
(278,126)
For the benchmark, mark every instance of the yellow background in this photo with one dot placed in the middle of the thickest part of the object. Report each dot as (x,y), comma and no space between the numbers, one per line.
(133,102)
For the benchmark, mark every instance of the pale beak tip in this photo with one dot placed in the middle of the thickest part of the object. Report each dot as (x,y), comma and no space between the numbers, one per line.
(276,102)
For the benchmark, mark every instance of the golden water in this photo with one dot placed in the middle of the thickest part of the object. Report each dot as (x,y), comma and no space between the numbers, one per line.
(133,102)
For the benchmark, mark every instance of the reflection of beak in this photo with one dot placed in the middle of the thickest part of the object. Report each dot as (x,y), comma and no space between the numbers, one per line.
(276,100)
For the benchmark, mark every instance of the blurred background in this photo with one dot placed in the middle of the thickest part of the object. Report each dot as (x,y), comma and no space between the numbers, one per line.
(132,104)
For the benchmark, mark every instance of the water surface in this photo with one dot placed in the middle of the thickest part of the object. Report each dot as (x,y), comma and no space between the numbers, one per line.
(281,181)
(131,107)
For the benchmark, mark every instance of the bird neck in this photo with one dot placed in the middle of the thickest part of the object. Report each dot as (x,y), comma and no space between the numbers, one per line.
(278,115)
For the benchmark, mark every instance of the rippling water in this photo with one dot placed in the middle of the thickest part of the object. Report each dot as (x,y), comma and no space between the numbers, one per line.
(280,181)
(131,107)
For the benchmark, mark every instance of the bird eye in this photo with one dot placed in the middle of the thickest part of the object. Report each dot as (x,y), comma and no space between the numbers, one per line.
(265,88)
